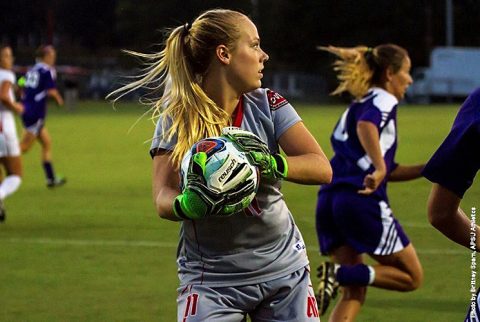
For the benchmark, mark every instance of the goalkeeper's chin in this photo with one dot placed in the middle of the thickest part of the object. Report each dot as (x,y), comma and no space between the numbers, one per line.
(253,87)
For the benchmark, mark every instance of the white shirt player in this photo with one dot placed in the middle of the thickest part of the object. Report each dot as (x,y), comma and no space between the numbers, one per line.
(9,145)
(7,76)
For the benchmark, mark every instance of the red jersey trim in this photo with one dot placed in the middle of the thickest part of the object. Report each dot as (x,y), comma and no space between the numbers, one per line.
(237,115)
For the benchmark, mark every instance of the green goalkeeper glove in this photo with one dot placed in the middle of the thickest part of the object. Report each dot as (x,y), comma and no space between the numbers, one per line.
(272,166)
(198,201)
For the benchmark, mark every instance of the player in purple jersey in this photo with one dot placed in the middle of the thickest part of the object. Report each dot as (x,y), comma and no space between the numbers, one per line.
(353,212)
(452,170)
(39,86)
(9,147)
(252,263)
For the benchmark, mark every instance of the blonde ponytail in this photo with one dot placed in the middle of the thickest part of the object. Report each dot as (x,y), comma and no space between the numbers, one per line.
(360,68)
(177,71)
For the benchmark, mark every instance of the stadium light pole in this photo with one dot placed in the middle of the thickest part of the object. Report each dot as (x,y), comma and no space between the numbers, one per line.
(449,23)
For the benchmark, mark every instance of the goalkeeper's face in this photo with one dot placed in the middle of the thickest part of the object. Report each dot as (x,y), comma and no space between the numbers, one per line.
(247,59)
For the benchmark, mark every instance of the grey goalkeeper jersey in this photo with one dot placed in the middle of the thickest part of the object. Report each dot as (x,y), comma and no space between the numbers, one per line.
(262,242)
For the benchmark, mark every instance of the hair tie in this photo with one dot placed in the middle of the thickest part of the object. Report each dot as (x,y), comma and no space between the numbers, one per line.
(186,28)
(368,54)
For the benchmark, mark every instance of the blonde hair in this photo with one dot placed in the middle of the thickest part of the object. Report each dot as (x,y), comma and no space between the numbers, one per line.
(361,67)
(178,70)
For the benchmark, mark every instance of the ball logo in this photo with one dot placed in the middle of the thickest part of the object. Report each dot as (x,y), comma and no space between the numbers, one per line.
(209,146)
(225,174)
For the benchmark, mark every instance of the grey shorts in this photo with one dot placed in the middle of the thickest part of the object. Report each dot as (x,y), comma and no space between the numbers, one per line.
(290,298)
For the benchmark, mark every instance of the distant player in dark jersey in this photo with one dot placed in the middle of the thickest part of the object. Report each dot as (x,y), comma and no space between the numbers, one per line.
(353,212)
(9,148)
(252,263)
(39,86)
(452,170)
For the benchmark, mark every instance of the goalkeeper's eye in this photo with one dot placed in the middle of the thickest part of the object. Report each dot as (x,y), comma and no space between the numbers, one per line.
(256,45)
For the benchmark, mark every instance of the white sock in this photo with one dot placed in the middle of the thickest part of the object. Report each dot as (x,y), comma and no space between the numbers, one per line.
(372,275)
(9,185)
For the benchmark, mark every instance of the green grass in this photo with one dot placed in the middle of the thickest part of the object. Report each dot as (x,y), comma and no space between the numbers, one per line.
(94,250)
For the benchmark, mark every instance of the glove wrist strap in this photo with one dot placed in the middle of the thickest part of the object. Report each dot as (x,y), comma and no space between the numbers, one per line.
(177,209)
(282,165)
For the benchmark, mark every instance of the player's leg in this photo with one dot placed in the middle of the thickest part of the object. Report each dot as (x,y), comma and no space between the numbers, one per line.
(399,271)
(330,238)
(198,303)
(289,299)
(32,128)
(13,178)
(46,142)
(352,297)
(368,226)
(10,159)
(27,141)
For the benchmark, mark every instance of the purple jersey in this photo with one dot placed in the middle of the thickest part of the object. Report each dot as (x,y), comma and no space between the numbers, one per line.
(351,163)
(39,79)
(455,163)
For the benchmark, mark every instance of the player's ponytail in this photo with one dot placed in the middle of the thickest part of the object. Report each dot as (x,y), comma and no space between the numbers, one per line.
(176,74)
(362,67)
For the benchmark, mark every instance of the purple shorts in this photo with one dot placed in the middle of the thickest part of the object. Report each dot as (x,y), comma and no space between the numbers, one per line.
(33,124)
(344,217)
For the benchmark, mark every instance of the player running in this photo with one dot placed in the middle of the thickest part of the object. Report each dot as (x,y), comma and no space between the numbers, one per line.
(39,86)
(254,262)
(353,214)
(9,147)
(452,170)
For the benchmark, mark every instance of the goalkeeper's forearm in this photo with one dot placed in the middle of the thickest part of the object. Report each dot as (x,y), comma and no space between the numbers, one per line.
(163,199)
(300,169)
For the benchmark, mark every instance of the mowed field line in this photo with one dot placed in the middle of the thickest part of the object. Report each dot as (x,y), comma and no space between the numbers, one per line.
(158,244)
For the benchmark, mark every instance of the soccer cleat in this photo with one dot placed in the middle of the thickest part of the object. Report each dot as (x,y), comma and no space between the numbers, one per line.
(57,182)
(3,214)
(327,286)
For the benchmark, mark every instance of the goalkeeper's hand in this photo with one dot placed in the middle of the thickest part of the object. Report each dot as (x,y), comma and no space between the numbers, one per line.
(198,201)
(272,166)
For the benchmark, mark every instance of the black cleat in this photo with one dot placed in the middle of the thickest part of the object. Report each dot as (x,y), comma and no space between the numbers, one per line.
(57,182)
(327,286)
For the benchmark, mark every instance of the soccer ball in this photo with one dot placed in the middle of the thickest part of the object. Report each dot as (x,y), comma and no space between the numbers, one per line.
(226,169)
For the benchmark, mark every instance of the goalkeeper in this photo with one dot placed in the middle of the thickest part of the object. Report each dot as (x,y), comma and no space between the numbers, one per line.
(231,265)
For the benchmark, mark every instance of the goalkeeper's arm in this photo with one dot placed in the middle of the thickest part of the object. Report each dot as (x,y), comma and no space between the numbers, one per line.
(165,183)
(307,164)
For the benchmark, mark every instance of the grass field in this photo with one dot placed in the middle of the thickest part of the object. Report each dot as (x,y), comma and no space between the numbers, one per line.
(94,250)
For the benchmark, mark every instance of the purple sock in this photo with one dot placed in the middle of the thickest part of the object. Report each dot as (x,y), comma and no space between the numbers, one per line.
(48,168)
(358,275)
